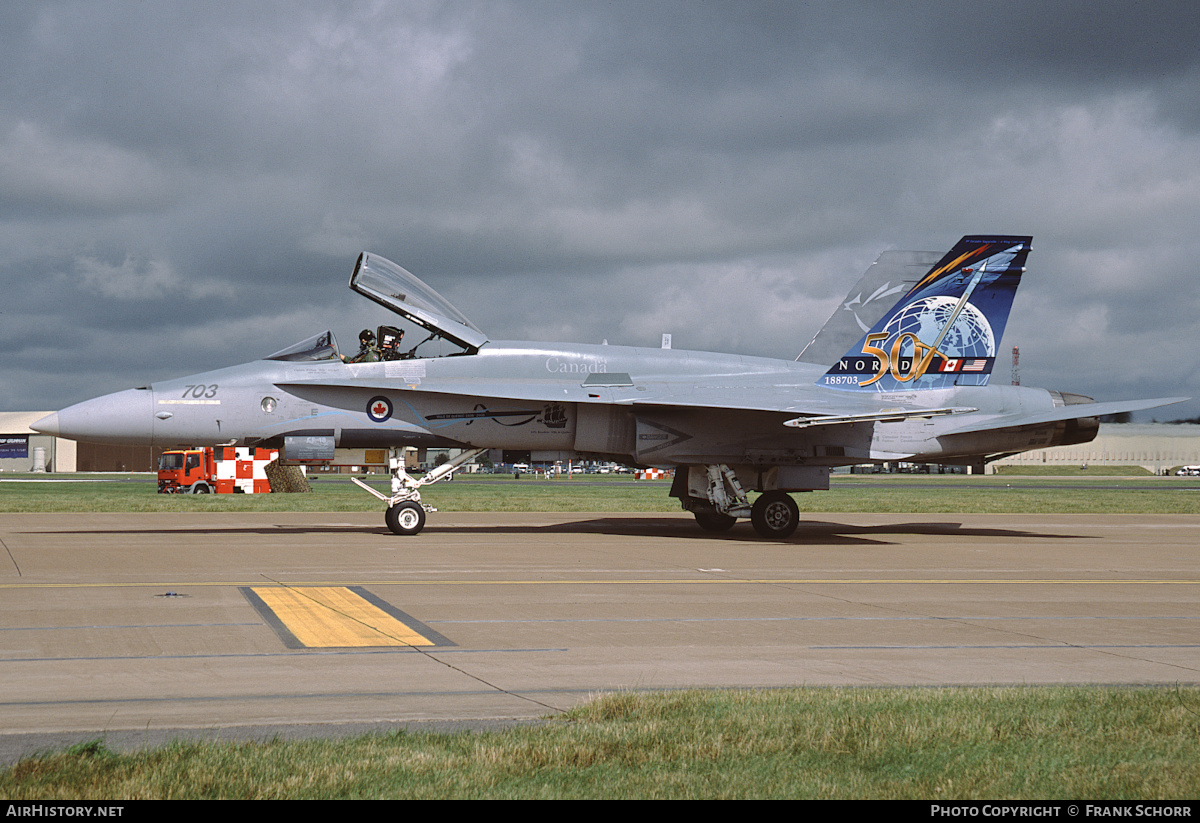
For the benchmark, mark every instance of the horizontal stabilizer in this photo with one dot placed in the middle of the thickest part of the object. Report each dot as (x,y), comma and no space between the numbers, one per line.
(1073,412)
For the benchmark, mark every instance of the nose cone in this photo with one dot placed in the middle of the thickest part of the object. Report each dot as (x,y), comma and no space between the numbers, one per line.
(124,417)
(47,425)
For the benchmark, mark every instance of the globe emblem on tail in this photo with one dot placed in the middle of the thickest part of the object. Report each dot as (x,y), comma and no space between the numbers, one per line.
(969,336)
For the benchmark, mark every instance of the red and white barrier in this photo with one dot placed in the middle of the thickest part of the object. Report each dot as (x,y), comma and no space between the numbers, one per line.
(243,469)
(652,474)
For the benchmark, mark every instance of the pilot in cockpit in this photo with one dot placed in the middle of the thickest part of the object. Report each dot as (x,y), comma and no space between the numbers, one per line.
(367,352)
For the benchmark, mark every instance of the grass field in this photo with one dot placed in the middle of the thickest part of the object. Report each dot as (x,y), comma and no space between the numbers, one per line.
(983,743)
(961,494)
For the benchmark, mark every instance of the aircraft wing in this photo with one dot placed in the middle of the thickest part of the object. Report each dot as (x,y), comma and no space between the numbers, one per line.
(752,393)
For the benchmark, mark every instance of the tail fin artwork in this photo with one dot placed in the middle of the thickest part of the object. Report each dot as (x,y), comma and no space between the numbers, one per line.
(946,329)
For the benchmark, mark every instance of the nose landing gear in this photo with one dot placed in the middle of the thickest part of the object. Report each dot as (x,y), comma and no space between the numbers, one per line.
(405,512)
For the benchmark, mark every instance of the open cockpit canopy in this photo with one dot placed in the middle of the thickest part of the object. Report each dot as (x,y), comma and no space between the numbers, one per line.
(401,291)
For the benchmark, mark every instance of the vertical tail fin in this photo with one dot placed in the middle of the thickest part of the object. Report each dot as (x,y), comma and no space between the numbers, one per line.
(946,329)
(894,273)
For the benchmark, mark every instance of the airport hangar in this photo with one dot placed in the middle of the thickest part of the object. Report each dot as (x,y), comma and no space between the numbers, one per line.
(1160,448)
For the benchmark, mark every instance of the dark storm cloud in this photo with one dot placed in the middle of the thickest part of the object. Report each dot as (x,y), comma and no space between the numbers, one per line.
(185,186)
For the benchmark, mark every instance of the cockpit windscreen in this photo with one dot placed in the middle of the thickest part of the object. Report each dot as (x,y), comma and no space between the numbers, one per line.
(318,347)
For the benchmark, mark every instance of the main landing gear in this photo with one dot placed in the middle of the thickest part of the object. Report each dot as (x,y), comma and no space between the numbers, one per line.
(713,521)
(405,512)
(774,514)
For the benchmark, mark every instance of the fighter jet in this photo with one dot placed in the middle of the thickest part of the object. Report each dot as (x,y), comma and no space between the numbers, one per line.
(886,379)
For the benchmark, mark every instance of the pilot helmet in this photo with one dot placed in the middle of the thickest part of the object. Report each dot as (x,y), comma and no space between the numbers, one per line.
(366,337)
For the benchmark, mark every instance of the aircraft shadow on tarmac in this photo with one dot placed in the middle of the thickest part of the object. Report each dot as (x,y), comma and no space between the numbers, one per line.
(811,532)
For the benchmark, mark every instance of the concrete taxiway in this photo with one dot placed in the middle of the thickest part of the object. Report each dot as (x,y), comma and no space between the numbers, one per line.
(207,621)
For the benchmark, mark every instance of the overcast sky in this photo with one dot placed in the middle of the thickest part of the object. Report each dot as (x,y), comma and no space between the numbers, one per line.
(185,186)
